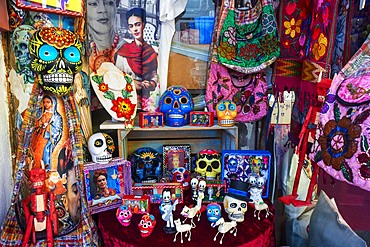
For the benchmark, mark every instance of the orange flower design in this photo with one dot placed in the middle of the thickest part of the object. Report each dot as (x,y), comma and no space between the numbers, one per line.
(123,107)
(103,87)
(319,48)
(57,37)
(129,88)
(227,51)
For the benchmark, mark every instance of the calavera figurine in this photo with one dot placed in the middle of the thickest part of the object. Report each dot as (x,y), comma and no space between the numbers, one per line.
(101,147)
(235,201)
(213,212)
(181,175)
(226,112)
(20,40)
(56,58)
(124,215)
(176,103)
(146,165)
(147,224)
(208,164)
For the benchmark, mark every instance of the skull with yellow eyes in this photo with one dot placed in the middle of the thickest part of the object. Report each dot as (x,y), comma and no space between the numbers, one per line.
(226,113)
(55,57)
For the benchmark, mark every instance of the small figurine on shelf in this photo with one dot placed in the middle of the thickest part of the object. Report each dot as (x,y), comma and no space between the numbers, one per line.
(166,208)
(39,209)
(224,227)
(210,193)
(201,189)
(182,228)
(190,213)
(213,212)
(194,187)
(147,225)
(124,215)
(255,187)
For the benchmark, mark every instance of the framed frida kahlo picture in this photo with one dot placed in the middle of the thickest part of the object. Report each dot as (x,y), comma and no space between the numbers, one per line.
(242,164)
(175,156)
(105,184)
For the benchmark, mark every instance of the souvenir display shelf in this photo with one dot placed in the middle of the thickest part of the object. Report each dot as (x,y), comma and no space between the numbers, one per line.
(199,137)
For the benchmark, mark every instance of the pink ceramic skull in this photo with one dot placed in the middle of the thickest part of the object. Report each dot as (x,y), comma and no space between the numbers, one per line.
(146,225)
(124,215)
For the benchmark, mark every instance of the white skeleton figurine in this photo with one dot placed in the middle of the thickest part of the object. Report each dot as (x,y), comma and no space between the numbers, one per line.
(256,188)
(201,189)
(166,209)
(194,187)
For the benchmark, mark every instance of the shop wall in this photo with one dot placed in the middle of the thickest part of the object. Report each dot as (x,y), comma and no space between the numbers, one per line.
(6,181)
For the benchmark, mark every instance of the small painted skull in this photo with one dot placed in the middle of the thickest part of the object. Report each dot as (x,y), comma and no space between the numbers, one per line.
(101,147)
(213,212)
(226,112)
(146,165)
(181,175)
(55,58)
(176,103)
(124,215)
(235,208)
(146,225)
(20,40)
(208,164)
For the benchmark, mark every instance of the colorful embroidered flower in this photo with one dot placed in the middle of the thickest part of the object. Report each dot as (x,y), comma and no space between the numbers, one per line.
(292,27)
(338,142)
(123,107)
(230,35)
(58,37)
(226,51)
(319,47)
(268,23)
(129,88)
(103,87)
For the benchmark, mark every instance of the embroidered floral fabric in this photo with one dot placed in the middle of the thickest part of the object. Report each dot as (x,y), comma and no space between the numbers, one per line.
(342,148)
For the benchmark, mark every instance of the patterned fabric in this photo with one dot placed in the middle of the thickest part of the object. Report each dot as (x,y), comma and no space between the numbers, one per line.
(246,33)
(85,233)
(342,148)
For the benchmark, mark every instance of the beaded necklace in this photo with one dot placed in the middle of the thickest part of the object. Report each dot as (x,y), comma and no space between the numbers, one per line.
(98,57)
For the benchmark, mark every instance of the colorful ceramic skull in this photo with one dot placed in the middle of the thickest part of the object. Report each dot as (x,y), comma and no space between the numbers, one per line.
(208,164)
(101,147)
(226,113)
(176,103)
(181,175)
(213,212)
(146,165)
(20,40)
(147,225)
(124,215)
(55,57)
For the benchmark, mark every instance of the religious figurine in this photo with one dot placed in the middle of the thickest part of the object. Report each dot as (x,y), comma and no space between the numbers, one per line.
(166,208)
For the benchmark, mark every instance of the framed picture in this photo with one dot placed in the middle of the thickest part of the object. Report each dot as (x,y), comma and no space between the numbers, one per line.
(137,204)
(151,119)
(201,118)
(241,164)
(106,184)
(175,156)
(62,7)
(154,190)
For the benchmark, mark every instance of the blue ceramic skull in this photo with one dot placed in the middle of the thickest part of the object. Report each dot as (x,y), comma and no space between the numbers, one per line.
(146,165)
(213,212)
(176,103)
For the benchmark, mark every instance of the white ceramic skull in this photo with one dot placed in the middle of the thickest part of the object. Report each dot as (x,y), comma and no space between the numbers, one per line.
(208,164)
(260,182)
(202,186)
(101,147)
(194,183)
(235,208)
(252,180)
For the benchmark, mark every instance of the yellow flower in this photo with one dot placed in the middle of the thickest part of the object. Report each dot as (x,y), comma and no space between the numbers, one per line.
(319,48)
(292,27)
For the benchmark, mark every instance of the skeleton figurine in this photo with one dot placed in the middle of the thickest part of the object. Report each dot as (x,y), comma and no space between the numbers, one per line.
(39,209)
(194,187)
(255,187)
(201,189)
(166,208)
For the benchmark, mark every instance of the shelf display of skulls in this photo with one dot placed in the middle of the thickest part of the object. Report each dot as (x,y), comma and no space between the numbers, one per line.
(146,165)
(101,147)
(56,58)
(226,113)
(181,175)
(208,164)
(124,215)
(146,225)
(176,103)
(236,199)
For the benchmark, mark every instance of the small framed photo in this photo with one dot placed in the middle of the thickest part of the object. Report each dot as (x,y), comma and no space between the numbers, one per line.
(137,204)
(151,119)
(106,184)
(201,118)
(241,164)
(154,190)
(175,156)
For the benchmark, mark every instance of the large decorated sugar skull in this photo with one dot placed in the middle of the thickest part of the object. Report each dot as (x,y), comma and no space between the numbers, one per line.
(213,212)
(101,147)
(55,57)
(181,175)
(226,113)
(146,165)
(146,225)
(235,201)
(176,103)
(124,215)
(208,164)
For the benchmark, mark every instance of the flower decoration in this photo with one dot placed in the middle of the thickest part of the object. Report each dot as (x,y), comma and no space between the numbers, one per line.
(319,47)
(103,87)
(226,51)
(338,142)
(123,107)
(129,87)
(230,35)
(268,23)
(58,37)
(292,27)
